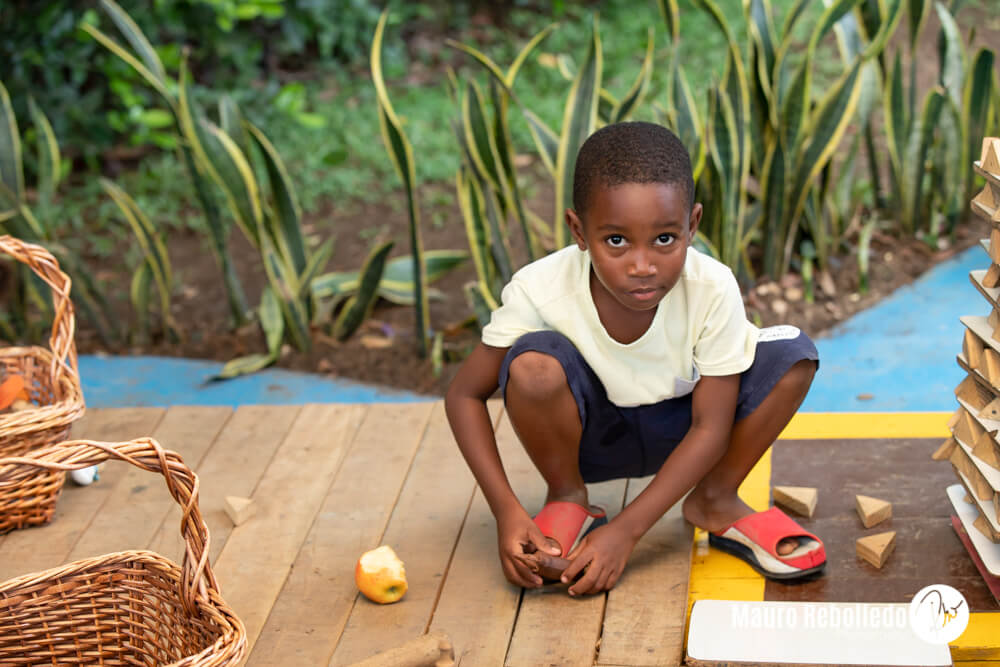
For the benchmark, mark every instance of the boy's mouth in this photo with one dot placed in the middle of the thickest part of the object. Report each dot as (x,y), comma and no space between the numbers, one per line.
(644,293)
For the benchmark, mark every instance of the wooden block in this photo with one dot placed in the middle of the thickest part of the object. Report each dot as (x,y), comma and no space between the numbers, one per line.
(972,347)
(986,198)
(991,410)
(944,451)
(968,498)
(239,509)
(992,370)
(992,277)
(872,510)
(432,650)
(986,450)
(970,391)
(975,429)
(962,430)
(994,250)
(876,548)
(799,499)
(990,156)
(955,418)
(982,524)
(964,465)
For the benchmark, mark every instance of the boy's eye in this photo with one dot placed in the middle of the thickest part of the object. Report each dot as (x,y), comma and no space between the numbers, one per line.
(616,240)
(665,239)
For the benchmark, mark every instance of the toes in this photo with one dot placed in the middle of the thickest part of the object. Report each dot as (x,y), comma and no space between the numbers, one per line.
(787,546)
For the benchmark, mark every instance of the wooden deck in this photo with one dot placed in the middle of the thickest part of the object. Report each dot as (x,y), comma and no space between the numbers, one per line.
(332,481)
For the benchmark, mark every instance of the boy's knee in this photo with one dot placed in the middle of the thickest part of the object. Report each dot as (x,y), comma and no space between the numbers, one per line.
(536,376)
(800,376)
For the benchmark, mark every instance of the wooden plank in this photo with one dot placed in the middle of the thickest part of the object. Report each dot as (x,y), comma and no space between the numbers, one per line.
(48,546)
(140,502)
(478,605)
(423,530)
(315,601)
(259,554)
(537,640)
(644,621)
(232,467)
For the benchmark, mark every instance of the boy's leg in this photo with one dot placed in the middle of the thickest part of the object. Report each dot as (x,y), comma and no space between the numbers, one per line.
(714,504)
(544,414)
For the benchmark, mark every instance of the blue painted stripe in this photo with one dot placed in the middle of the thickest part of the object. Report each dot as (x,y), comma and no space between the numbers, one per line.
(902,351)
(157,381)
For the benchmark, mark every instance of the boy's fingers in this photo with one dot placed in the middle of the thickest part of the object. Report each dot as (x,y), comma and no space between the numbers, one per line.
(586,584)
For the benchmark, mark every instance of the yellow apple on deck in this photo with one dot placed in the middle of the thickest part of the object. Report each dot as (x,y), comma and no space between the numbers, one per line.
(380,575)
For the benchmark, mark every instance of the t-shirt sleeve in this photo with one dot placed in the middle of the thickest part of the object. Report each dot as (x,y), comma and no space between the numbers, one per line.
(727,340)
(515,317)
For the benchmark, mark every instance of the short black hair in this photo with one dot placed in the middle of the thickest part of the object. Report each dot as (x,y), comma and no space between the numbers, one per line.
(632,152)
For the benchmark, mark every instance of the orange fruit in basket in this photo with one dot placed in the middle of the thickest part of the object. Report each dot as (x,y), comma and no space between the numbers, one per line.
(11,389)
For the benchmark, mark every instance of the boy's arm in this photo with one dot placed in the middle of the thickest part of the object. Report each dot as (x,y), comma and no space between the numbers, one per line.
(465,405)
(608,547)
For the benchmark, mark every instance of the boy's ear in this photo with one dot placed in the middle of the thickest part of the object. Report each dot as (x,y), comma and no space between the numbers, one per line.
(693,221)
(576,228)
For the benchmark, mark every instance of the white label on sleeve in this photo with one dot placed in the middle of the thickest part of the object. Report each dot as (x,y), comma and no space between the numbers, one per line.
(780,332)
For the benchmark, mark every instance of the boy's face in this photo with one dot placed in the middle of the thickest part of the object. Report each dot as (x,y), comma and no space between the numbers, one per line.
(638,235)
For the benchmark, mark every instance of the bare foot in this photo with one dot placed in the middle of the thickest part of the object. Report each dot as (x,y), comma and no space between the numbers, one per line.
(717,513)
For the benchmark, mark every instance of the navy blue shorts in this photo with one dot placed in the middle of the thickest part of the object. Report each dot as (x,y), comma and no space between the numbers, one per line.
(633,442)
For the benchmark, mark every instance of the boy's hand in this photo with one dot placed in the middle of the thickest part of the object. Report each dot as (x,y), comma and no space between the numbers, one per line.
(513,533)
(603,553)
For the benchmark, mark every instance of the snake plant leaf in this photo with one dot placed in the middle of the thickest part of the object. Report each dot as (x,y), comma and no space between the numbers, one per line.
(827,125)
(579,121)
(889,22)
(49,159)
(139,289)
(546,141)
(919,144)
(401,153)
(759,19)
(896,120)
(11,165)
(686,121)
(672,17)
(285,226)
(245,366)
(478,138)
(635,94)
(121,52)
(793,16)
(775,220)
(397,280)
(525,51)
(271,321)
(235,176)
(136,39)
(488,63)
(284,281)
(470,204)
(359,306)
(438,264)
(481,301)
(951,54)
(231,121)
(917,17)
(314,265)
(976,107)
(499,246)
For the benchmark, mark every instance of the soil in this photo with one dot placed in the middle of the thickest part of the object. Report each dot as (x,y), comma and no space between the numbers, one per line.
(383,351)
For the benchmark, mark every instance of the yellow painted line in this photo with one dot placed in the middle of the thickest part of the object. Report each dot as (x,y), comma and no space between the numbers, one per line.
(854,425)
(981,640)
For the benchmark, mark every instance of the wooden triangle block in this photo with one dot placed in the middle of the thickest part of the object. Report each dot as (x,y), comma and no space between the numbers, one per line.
(969,391)
(986,199)
(982,524)
(990,158)
(992,277)
(991,410)
(872,510)
(994,241)
(975,428)
(962,430)
(799,499)
(954,419)
(944,451)
(239,509)
(973,349)
(992,365)
(876,548)
(985,450)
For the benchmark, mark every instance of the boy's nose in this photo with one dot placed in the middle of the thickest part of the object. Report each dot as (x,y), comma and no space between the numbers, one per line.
(641,266)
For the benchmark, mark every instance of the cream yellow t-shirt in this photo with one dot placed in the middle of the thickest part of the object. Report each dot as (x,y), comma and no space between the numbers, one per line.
(700,326)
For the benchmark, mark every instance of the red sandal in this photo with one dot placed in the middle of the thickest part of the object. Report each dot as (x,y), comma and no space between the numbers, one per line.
(567,522)
(755,539)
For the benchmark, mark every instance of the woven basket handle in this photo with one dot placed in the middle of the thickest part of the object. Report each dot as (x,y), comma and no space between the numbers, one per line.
(149,455)
(47,268)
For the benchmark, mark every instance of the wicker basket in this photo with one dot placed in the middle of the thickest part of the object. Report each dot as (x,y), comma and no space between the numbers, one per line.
(124,608)
(53,385)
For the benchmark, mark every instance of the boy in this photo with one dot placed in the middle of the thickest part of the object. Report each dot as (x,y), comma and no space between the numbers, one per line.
(629,354)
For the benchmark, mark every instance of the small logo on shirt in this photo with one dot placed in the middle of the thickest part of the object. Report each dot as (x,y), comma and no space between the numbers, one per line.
(780,332)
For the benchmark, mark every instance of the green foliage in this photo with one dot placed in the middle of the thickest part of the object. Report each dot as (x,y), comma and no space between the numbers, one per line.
(33,221)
